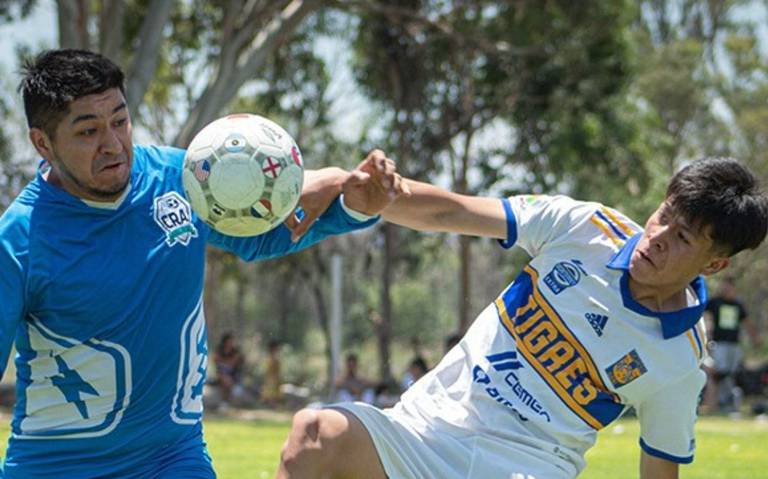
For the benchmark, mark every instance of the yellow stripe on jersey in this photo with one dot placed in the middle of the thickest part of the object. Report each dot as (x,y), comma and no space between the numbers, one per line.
(695,347)
(559,358)
(613,215)
(607,231)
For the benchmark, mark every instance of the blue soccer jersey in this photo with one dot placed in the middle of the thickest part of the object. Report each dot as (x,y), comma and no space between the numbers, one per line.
(105,308)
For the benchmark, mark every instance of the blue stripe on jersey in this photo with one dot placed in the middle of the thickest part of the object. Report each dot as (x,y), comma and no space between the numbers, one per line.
(613,226)
(555,353)
(511,225)
(698,341)
(663,455)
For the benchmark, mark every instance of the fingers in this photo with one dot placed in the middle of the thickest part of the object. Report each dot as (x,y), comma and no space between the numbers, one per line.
(302,227)
(382,169)
(299,226)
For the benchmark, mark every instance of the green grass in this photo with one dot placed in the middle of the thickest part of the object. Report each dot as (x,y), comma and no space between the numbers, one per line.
(732,449)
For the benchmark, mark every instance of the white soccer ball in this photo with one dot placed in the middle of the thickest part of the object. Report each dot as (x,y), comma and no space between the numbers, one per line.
(243,174)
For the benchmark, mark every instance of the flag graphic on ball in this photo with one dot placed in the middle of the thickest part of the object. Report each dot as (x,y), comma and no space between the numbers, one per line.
(202,170)
(271,167)
(295,155)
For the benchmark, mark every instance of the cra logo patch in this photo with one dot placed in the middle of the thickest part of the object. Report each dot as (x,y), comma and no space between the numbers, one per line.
(174,216)
(626,369)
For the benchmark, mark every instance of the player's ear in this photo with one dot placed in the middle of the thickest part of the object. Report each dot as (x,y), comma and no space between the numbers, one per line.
(716,265)
(41,142)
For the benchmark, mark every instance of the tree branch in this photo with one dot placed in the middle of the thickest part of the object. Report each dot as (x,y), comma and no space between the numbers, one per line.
(145,61)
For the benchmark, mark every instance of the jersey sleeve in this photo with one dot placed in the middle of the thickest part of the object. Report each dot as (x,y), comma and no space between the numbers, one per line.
(277,242)
(535,220)
(11,301)
(668,417)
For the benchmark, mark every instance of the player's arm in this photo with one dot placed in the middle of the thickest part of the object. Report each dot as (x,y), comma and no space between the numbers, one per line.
(11,303)
(429,208)
(371,186)
(652,467)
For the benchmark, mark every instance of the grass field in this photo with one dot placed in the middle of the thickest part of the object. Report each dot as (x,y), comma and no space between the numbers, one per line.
(727,449)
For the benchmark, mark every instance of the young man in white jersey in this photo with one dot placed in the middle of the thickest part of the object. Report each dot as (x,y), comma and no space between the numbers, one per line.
(606,316)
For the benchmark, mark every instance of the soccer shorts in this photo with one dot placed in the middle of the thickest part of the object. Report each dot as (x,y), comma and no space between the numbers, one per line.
(410,448)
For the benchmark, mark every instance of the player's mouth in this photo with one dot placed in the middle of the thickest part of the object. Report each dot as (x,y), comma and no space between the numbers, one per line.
(113,163)
(646,258)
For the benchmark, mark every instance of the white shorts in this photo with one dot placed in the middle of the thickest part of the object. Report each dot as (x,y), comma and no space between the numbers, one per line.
(410,448)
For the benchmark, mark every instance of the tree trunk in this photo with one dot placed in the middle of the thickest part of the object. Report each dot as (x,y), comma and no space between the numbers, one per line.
(236,68)
(384,325)
(73,23)
(465,245)
(144,62)
(111,28)
(465,282)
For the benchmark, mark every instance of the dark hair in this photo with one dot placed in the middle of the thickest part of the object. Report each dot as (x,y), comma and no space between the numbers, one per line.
(722,197)
(223,341)
(420,363)
(56,78)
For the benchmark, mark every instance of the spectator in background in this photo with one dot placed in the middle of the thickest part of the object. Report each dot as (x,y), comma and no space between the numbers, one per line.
(270,388)
(229,367)
(725,316)
(451,341)
(351,387)
(416,369)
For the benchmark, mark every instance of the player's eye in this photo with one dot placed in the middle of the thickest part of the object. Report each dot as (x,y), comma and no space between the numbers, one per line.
(121,122)
(683,238)
(87,132)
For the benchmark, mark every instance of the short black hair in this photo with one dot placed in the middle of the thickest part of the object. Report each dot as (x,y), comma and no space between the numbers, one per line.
(723,196)
(55,78)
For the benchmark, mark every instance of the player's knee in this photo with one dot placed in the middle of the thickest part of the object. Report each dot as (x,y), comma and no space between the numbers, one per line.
(302,449)
(314,440)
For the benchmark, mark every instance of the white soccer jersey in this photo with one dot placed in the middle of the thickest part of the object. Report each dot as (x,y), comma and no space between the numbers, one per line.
(565,350)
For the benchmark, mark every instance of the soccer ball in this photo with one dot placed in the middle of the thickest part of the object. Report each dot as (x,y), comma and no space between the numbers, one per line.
(243,175)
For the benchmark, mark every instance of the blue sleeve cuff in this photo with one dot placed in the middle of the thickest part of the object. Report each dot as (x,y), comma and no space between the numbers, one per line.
(511,225)
(663,455)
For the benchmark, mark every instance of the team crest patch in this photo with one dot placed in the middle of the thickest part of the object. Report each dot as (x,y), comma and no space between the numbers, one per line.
(626,369)
(174,216)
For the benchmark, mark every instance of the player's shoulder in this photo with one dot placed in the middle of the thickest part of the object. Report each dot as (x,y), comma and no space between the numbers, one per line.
(15,226)
(155,157)
(610,223)
(15,220)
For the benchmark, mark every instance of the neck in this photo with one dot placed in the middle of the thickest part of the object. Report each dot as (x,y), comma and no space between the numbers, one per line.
(658,298)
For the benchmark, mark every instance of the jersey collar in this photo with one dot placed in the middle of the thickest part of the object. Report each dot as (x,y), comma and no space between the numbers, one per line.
(673,323)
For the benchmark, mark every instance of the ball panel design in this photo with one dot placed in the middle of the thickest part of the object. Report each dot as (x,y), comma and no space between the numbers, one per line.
(243,174)
(287,190)
(236,182)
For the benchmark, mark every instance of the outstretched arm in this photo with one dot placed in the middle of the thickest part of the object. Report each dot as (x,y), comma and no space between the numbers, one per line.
(429,208)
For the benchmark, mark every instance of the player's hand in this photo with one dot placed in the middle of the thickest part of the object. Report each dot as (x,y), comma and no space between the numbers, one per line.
(321,188)
(380,190)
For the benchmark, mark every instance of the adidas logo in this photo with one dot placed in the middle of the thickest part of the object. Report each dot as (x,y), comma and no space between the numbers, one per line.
(504,361)
(597,321)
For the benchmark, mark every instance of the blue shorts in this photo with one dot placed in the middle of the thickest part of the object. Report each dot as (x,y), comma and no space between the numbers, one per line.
(188,460)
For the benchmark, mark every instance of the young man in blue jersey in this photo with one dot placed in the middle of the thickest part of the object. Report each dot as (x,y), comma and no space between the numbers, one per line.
(606,316)
(103,301)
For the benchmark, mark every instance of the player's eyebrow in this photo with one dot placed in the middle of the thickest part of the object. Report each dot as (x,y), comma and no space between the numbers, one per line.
(91,116)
